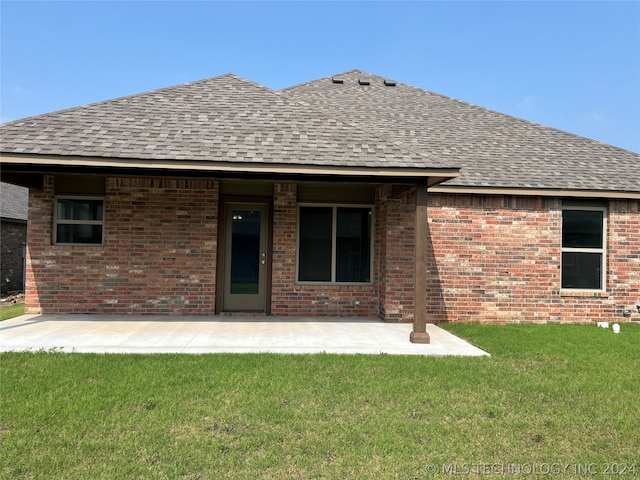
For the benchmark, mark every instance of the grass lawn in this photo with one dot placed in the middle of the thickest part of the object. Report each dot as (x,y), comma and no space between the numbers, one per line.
(12,310)
(561,399)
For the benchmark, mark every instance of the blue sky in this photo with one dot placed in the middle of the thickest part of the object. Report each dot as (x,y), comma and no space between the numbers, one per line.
(570,65)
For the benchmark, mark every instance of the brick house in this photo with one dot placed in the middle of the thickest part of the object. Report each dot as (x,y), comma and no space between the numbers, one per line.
(13,237)
(351,195)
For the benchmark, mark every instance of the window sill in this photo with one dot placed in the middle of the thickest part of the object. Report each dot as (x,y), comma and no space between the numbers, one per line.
(78,245)
(584,293)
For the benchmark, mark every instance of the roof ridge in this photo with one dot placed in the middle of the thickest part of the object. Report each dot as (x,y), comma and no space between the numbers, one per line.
(353,70)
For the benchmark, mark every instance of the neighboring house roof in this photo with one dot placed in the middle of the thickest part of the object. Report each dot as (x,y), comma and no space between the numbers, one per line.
(493,149)
(227,123)
(14,202)
(222,119)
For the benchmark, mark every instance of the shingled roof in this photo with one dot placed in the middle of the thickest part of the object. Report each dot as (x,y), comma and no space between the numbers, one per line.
(14,202)
(493,149)
(221,119)
(351,120)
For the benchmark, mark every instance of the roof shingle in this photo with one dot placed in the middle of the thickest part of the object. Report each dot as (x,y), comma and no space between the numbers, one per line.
(14,201)
(221,119)
(381,124)
(493,149)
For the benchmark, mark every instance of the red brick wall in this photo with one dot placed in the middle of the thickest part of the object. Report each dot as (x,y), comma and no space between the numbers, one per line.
(497,259)
(158,257)
(380,246)
(289,298)
(491,258)
(624,253)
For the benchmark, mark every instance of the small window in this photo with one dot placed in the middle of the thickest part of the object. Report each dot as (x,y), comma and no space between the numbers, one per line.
(583,248)
(78,220)
(334,244)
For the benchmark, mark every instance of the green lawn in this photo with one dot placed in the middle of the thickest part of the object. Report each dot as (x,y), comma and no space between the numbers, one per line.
(556,398)
(12,310)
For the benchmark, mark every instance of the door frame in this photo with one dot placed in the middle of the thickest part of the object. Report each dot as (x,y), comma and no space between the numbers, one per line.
(222,237)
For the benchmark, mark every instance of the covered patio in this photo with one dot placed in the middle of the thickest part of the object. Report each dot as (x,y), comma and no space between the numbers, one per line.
(222,334)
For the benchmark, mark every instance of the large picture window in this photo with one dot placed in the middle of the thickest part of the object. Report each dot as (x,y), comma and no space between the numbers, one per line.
(334,244)
(583,248)
(78,220)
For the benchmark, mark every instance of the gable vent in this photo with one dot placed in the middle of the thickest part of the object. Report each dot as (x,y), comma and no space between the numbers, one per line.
(364,81)
(337,80)
(390,83)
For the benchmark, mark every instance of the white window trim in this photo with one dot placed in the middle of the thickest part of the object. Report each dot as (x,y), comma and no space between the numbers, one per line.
(334,220)
(57,221)
(603,250)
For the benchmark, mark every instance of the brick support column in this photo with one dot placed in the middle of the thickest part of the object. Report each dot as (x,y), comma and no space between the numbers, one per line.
(41,260)
(284,293)
(395,259)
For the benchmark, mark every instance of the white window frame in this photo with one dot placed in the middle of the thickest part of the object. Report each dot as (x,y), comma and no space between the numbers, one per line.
(334,242)
(603,250)
(57,221)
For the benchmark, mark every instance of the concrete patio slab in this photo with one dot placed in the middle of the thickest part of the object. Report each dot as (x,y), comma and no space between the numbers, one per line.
(197,335)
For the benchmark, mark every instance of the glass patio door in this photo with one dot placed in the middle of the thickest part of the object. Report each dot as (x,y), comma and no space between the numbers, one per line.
(245,257)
